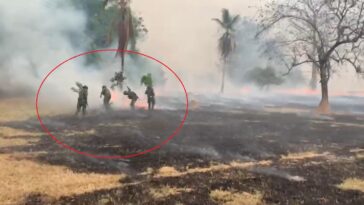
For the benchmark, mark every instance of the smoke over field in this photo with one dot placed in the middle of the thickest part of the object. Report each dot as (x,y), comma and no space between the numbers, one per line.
(259,142)
(52,31)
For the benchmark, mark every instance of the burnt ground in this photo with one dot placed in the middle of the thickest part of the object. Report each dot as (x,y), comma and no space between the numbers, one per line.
(209,136)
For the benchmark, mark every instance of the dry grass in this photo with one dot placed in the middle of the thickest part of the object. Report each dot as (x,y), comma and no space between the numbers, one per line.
(68,133)
(168,172)
(172,172)
(302,156)
(7,137)
(236,198)
(23,177)
(344,124)
(16,142)
(194,104)
(16,109)
(352,184)
(359,153)
(11,132)
(166,191)
(20,109)
(357,150)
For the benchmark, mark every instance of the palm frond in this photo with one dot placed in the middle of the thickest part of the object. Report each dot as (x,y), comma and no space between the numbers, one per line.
(79,85)
(219,22)
(226,18)
(234,21)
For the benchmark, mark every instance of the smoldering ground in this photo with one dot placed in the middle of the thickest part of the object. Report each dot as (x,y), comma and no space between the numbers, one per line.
(221,147)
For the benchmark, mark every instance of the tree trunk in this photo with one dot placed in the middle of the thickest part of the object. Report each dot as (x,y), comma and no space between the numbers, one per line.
(313,82)
(223,78)
(324,106)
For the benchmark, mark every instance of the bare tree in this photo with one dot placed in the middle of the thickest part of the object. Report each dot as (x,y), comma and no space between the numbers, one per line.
(334,28)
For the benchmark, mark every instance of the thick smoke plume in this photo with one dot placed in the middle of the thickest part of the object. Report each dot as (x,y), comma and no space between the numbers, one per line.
(38,35)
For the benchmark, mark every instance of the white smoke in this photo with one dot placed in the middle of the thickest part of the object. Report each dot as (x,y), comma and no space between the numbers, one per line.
(35,36)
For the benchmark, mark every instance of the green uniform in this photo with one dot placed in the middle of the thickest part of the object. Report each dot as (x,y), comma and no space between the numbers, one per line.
(82,100)
(132,96)
(107,96)
(151,97)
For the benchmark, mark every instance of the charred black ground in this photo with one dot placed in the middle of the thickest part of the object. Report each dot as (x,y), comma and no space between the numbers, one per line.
(208,137)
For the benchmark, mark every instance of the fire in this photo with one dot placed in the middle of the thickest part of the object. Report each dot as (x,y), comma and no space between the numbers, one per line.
(114,96)
(141,106)
(300,91)
(245,90)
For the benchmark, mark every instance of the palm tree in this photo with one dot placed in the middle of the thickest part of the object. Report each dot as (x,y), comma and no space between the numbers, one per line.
(129,27)
(226,41)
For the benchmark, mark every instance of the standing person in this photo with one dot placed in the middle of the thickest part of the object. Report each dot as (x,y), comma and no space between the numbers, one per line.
(132,96)
(107,96)
(151,97)
(82,98)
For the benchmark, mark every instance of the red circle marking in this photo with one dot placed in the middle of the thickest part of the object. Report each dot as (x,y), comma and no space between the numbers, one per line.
(105,156)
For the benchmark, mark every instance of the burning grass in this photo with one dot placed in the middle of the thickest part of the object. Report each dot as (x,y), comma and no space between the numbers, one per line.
(24,177)
(352,184)
(236,198)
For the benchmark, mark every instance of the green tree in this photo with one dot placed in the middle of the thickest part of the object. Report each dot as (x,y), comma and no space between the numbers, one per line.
(103,26)
(263,77)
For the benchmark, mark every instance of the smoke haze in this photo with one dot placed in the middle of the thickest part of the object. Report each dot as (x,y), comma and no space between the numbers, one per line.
(37,35)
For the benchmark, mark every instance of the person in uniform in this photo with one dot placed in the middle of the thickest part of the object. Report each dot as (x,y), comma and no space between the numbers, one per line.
(82,98)
(117,80)
(107,96)
(132,96)
(151,97)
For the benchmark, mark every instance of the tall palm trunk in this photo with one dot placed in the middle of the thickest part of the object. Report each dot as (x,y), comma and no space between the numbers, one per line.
(223,77)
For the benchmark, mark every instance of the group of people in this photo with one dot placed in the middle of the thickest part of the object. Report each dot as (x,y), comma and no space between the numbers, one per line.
(105,92)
